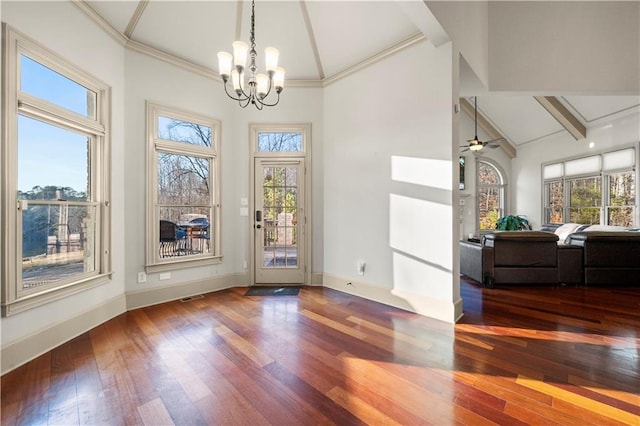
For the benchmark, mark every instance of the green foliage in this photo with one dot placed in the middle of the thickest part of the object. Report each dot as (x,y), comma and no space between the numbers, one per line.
(488,219)
(512,222)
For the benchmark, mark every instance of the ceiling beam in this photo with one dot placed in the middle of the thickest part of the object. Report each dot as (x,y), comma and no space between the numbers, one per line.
(488,128)
(563,115)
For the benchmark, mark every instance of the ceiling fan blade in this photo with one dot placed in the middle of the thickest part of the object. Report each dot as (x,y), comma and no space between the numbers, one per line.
(464,150)
(495,141)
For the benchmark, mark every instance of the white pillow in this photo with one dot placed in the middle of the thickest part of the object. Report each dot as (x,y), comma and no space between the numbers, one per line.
(565,230)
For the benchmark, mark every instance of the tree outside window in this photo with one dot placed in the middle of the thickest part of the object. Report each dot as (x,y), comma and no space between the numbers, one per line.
(490,190)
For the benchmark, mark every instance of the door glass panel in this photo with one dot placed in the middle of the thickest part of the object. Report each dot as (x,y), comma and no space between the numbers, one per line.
(280,209)
(279,142)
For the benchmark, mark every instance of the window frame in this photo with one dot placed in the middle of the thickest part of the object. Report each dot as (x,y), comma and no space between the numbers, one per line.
(603,174)
(502,188)
(155,144)
(16,103)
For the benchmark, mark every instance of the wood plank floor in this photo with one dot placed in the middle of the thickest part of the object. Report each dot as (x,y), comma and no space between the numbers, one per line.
(521,355)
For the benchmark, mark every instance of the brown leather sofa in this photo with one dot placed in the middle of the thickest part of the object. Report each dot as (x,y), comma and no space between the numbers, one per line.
(521,257)
(608,257)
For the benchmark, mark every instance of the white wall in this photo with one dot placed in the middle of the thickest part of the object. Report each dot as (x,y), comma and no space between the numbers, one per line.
(566,46)
(61,27)
(526,168)
(388,178)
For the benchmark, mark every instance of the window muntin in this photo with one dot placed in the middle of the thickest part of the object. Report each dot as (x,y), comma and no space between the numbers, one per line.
(42,82)
(280,142)
(490,193)
(184,219)
(56,156)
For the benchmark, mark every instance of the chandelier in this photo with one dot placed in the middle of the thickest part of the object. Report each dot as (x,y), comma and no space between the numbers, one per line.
(258,87)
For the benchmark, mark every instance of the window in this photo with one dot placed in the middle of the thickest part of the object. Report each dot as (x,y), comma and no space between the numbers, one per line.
(585,199)
(490,194)
(598,189)
(621,198)
(183,219)
(554,202)
(56,159)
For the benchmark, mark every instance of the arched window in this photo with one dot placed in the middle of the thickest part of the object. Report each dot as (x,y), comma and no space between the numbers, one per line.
(490,185)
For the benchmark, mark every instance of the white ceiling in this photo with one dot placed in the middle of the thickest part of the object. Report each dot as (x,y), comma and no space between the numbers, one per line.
(319,40)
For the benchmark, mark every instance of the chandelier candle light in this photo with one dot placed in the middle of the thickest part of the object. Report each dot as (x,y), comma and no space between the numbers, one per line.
(259,85)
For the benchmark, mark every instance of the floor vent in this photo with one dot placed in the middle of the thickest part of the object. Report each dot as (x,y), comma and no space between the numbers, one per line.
(190,298)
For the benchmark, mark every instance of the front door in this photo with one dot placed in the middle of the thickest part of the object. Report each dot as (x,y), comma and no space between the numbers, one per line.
(279,221)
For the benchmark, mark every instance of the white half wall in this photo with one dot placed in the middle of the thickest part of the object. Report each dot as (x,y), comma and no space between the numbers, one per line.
(566,46)
(388,182)
(466,23)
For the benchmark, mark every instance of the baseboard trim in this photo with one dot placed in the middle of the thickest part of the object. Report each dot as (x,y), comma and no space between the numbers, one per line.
(417,303)
(156,295)
(32,346)
(316,278)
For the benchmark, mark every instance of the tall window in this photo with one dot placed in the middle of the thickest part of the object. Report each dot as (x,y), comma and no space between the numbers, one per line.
(598,189)
(183,208)
(490,184)
(56,159)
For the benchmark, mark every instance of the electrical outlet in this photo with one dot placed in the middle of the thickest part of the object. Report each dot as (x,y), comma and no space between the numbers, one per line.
(361,266)
(165,276)
(142,277)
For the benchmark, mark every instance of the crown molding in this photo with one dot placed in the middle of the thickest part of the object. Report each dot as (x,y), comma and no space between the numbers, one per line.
(173,60)
(101,22)
(416,38)
(161,55)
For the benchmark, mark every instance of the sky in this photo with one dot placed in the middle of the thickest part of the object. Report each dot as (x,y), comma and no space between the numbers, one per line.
(49,155)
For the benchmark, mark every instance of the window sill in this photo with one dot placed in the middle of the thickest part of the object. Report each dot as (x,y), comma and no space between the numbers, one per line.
(34,300)
(182,264)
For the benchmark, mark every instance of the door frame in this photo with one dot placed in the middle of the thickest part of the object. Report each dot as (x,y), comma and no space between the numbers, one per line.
(305,157)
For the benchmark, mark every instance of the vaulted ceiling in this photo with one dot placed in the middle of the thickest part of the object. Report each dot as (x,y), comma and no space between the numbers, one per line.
(320,41)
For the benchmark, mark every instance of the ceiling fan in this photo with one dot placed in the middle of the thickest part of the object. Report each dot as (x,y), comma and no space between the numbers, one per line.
(476,144)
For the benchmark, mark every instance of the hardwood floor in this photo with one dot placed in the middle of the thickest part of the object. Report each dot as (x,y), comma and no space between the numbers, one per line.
(520,355)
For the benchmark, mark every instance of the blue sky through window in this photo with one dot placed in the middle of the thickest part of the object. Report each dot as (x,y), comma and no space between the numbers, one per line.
(50,155)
